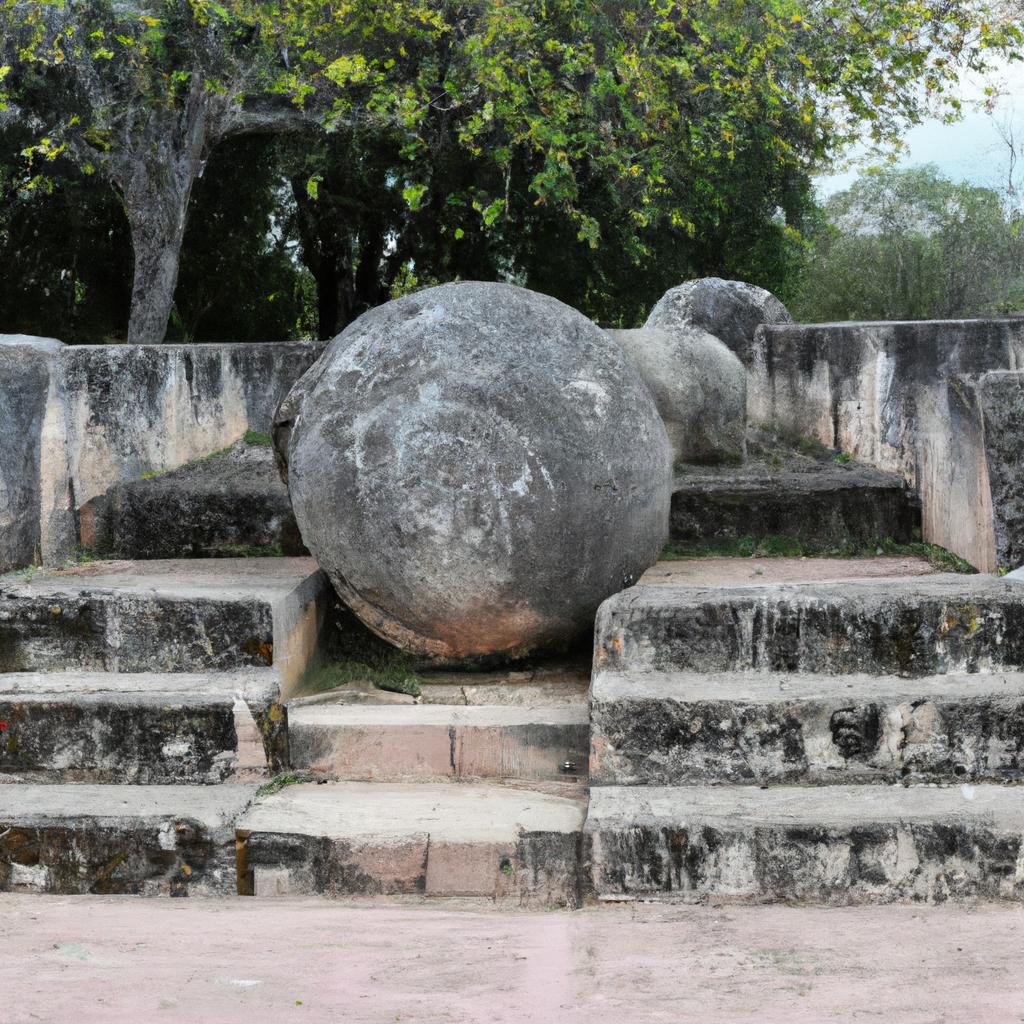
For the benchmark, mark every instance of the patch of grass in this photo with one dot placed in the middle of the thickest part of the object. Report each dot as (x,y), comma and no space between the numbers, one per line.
(843,458)
(248,551)
(775,546)
(257,438)
(393,673)
(150,474)
(86,556)
(279,782)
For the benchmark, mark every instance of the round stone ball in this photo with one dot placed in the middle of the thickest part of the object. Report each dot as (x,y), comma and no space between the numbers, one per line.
(476,467)
(730,310)
(700,389)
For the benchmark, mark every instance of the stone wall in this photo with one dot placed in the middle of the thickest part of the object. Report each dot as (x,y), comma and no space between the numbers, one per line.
(892,395)
(26,378)
(106,414)
(858,386)
(972,457)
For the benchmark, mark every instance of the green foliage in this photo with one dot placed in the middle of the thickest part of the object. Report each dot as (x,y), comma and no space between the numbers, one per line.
(912,245)
(283,780)
(239,280)
(255,437)
(599,152)
(395,675)
(66,248)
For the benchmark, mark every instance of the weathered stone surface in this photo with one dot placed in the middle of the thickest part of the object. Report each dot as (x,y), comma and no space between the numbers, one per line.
(476,467)
(233,503)
(143,728)
(140,840)
(164,616)
(906,627)
(389,743)
(1001,403)
(725,572)
(883,393)
(439,840)
(26,379)
(682,729)
(730,310)
(820,511)
(800,494)
(699,386)
(971,462)
(836,845)
(857,387)
(105,414)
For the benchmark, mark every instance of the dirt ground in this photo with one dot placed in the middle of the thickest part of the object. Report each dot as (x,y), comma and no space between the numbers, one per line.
(127,961)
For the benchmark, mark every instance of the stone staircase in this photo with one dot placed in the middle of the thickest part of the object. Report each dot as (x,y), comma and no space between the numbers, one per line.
(786,729)
(149,744)
(833,742)
(140,708)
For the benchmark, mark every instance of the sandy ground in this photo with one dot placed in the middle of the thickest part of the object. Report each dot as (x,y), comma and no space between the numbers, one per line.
(222,961)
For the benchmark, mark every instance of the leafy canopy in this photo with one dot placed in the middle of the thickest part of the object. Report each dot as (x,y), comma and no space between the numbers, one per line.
(634,125)
(911,244)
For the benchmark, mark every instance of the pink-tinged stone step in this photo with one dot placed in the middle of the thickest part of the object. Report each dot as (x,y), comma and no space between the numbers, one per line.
(353,838)
(390,742)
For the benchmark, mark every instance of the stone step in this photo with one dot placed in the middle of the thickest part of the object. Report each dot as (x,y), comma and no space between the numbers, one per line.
(141,728)
(230,503)
(913,626)
(832,845)
(187,615)
(817,511)
(141,840)
(667,729)
(388,742)
(357,838)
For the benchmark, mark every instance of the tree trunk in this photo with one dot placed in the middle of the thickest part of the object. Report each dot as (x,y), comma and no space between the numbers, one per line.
(157,229)
(156,183)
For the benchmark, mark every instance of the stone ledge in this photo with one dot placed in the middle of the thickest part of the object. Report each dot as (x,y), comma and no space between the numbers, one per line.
(435,840)
(140,840)
(684,729)
(834,845)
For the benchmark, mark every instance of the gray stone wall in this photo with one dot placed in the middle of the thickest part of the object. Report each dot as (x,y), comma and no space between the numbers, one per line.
(899,396)
(858,386)
(89,417)
(26,374)
(972,461)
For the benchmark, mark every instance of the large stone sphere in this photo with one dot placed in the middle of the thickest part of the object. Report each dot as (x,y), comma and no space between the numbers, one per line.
(476,467)
(730,310)
(699,386)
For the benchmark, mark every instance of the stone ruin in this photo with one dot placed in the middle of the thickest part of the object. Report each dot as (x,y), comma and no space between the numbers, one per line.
(484,476)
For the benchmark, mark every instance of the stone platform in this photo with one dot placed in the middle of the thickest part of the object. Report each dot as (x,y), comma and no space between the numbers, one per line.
(144,840)
(805,496)
(141,727)
(230,503)
(841,845)
(437,840)
(164,616)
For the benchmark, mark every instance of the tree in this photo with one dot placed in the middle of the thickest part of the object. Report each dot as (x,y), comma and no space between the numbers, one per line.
(66,246)
(603,152)
(68,238)
(913,245)
(142,93)
(624,127)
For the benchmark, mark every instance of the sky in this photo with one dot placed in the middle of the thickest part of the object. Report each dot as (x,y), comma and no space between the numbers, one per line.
(969,150)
